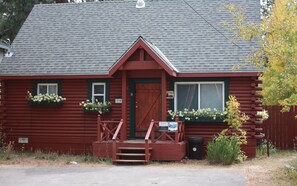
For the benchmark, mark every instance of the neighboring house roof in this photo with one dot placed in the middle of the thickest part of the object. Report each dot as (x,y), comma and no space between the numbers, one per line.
(88,38)
(4,46)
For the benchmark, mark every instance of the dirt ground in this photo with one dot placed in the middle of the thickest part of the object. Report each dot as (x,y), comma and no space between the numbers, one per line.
(258,171)
(268,171)
(264,171)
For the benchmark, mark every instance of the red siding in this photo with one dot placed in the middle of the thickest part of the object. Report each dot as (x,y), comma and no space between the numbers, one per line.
(61,128)
(242,89)
(68,129)
(2,107)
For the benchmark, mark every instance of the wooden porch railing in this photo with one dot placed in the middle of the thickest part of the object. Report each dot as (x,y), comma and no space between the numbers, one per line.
(109,130)
(179,135)
(146,139)
(115,138)
(106,129)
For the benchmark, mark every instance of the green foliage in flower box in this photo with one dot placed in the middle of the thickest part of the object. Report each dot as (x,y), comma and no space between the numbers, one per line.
(200,115)
(98,107)
(45,99)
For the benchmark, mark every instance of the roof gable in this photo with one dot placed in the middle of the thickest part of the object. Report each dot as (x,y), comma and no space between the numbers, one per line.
(152,50)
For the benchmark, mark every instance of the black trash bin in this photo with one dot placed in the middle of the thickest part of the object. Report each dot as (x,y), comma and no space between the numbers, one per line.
(195,147)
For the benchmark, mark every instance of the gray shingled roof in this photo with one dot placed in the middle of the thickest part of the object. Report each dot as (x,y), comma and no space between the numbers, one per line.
(88,38)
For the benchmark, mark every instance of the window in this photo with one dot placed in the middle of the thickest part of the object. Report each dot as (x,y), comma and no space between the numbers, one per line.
(98,92)
(98,89)
(47,88)
(199,95)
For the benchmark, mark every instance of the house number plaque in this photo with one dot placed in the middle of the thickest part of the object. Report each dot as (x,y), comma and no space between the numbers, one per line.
(170,94)
(23,140)
(118,100)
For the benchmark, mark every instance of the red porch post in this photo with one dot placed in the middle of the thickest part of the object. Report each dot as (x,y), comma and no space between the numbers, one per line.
(99,137)
(124,106)
(163,107)
(164,103)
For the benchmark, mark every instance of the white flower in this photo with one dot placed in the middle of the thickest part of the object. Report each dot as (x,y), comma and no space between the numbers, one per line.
(97,106)
(264,114)
(200,113)
(45,98)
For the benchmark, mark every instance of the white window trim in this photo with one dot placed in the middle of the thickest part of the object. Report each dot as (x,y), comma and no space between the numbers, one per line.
(198,83)
(47,87)
(93,91)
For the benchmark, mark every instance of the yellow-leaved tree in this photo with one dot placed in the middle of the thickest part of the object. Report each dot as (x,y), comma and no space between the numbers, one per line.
(277,52)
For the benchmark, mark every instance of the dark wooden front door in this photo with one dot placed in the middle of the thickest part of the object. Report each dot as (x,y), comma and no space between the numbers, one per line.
(147,106)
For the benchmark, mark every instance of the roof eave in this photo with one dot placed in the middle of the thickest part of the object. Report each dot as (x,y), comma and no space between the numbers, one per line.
(7,77)
(220,74)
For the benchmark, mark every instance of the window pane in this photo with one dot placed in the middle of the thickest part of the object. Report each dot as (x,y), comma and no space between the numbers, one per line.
(52,89)
(42,89)
(211,96)
(99,99)
(98,89)
(187,97)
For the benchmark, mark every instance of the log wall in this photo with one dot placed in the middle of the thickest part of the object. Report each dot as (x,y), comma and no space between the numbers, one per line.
(68,129)
(244,89)
(65,128)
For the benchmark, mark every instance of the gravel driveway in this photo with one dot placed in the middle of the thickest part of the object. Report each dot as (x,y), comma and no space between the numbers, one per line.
(118,175)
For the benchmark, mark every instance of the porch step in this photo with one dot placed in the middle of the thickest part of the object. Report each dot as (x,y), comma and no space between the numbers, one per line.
(133,148)
(128,154)
(129,161)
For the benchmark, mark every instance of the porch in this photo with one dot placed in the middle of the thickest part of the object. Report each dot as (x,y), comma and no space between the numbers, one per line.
(161,145)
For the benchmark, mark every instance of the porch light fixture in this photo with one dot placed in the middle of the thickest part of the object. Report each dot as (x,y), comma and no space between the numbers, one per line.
(140,4)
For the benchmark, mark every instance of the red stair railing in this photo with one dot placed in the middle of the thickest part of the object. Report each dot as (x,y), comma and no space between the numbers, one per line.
(115,138)
(179,135)
(149,133)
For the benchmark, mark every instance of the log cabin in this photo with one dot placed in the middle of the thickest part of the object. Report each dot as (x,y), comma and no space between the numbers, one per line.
(144,60)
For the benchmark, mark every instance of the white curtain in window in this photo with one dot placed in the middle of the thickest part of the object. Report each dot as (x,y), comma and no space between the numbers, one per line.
(52,89)
(211,96)
(187,96)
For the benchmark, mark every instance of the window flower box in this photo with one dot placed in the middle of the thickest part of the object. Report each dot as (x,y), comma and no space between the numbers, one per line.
(206,120)
(31,103)
(96,111)
(96,107)
(199,116)
(199,120)
(45,100)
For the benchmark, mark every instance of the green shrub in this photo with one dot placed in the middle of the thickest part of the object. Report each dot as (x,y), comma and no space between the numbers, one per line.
(224,149)
(235,119)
